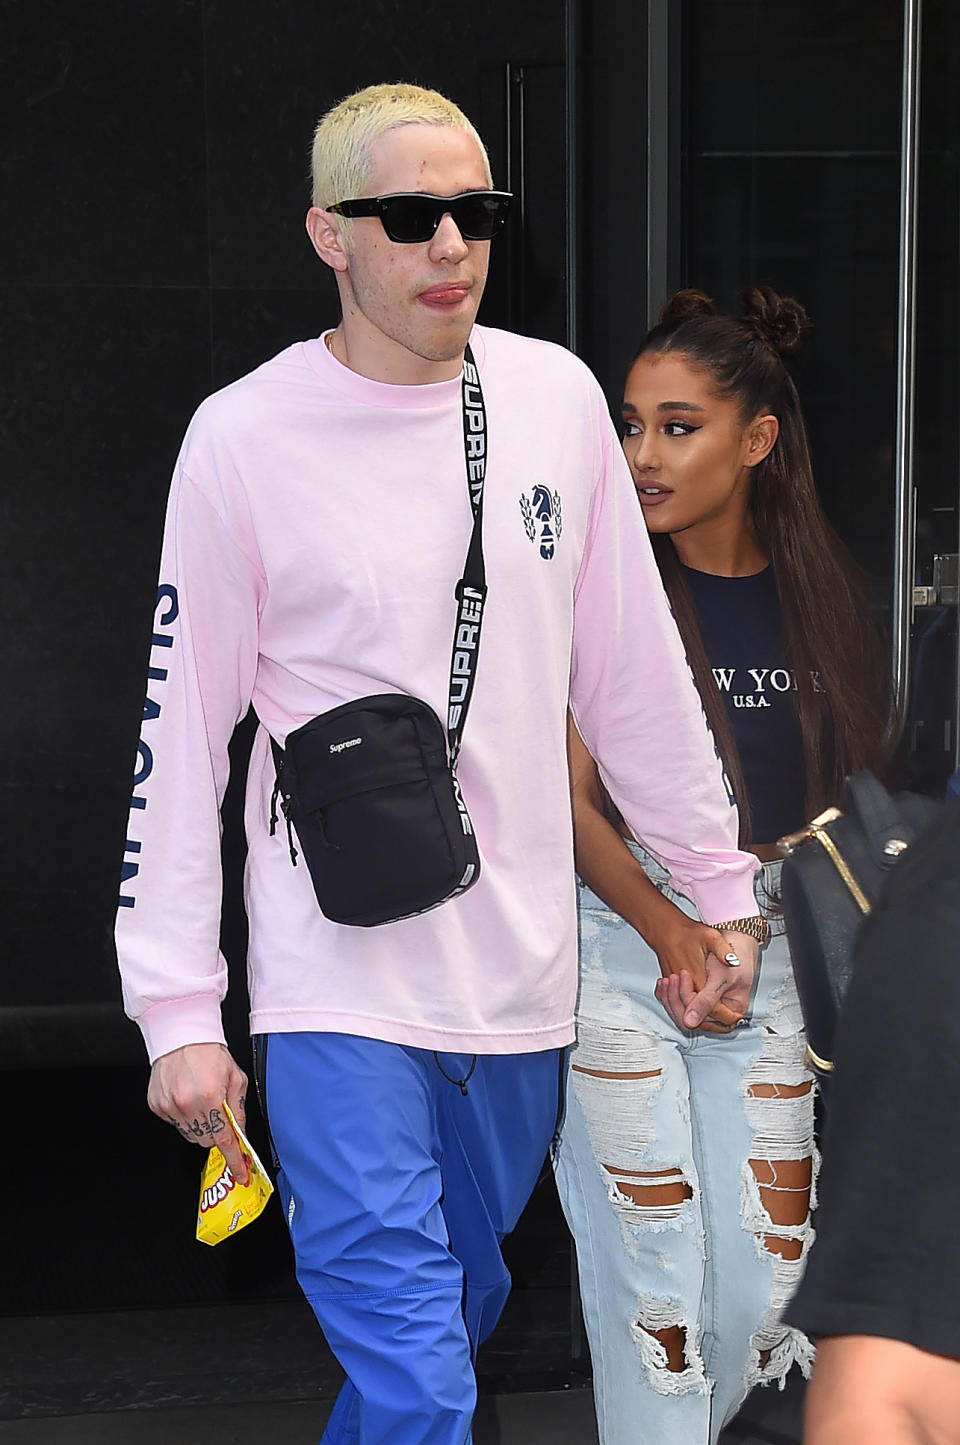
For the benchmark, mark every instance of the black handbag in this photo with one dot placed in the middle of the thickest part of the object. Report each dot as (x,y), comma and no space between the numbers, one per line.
(370,787)
(832,872)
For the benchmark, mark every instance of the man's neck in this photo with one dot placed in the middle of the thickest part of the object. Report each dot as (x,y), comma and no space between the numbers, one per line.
(388,361)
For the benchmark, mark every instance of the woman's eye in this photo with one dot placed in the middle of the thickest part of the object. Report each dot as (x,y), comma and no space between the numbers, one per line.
(630,429)
(679,428)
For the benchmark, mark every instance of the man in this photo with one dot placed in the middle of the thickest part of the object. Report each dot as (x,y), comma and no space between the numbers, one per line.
(318,522)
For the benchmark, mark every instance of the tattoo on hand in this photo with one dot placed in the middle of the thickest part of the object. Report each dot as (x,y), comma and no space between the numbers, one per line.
(211,1124)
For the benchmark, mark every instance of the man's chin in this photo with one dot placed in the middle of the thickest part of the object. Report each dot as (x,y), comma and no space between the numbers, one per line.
(442,347)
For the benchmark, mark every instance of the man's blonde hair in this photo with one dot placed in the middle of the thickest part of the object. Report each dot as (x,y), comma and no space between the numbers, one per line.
(341,163)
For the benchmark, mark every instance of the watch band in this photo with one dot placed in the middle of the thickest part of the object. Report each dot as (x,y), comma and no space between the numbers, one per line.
(754,927)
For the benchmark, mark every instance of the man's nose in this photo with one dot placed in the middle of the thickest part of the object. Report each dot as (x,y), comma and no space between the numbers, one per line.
(447,243)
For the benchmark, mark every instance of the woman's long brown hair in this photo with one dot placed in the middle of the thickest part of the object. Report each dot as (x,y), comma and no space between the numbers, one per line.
(832,642)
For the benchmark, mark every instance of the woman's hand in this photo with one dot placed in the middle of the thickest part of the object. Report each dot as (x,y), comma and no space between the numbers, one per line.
(692,953)
(720,1001)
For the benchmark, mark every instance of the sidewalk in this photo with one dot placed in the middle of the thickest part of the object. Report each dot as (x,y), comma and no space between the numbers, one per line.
(236,1374)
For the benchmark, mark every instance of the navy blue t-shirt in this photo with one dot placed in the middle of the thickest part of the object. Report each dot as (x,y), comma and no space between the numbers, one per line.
(741,627)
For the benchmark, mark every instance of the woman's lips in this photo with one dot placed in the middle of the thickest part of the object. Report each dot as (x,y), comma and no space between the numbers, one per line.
(652,496)
(445,298)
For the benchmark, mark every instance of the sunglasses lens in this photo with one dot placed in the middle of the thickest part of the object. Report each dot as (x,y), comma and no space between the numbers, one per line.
(413,218)
(410,218)
(478,217)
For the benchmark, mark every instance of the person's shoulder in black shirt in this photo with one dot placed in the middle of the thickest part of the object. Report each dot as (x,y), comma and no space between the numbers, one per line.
(882,1285)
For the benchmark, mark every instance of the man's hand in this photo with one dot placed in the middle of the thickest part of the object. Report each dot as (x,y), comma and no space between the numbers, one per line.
(718,999)
(187,1089)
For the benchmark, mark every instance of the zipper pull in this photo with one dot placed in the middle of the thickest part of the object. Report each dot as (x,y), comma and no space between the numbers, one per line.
(285,809)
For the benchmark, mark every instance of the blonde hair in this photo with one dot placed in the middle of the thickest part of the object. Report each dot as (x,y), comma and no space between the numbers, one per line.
(340,161)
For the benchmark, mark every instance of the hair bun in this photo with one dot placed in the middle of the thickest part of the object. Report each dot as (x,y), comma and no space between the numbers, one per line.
(683,304)
(780,320)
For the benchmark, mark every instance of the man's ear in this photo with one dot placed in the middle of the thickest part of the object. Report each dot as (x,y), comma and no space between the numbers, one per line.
(761,435)
(325,237)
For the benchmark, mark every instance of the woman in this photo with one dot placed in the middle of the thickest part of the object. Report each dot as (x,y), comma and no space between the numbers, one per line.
(687,1161)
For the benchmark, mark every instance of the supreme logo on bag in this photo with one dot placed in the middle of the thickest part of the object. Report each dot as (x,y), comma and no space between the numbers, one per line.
(347,743)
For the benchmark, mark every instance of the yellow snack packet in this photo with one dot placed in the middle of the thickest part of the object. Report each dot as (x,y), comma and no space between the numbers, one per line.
(225,1205)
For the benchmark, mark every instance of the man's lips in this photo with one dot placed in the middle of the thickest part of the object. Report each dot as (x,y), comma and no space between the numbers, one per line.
(447,296)
(651,493)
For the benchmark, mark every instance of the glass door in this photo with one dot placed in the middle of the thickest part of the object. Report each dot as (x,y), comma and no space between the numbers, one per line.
(817,143)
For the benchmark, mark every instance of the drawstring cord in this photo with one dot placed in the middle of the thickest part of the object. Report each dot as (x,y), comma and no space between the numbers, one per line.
(460,1083)
(285,809)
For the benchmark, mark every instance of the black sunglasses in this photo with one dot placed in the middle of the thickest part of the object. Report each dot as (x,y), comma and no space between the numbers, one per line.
(411,216)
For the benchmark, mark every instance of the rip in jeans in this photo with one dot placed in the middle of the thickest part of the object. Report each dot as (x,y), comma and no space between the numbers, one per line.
(617,1073)
(778,1185)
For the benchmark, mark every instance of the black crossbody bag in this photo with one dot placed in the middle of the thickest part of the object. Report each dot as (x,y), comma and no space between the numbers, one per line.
(370,787)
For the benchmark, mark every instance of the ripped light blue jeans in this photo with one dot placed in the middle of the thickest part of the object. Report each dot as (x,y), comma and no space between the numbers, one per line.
(683,1294)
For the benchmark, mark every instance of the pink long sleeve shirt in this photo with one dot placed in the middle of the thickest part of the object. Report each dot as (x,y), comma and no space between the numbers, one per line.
(317,524)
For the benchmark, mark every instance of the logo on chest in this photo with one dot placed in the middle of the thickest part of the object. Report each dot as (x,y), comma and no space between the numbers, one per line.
(767,682)
(542,519)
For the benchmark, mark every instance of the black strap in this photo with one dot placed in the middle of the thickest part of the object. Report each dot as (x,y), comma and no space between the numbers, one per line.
(471,591)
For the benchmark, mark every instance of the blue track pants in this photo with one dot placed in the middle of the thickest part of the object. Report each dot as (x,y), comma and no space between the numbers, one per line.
(399,1187)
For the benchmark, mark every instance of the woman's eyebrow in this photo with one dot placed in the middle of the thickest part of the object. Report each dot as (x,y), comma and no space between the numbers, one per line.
(666,406)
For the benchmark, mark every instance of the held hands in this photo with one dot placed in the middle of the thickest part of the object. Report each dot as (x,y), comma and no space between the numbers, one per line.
(698,989)
(187,1089)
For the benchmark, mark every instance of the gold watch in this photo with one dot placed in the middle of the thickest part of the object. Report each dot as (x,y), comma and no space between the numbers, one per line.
(754,927)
